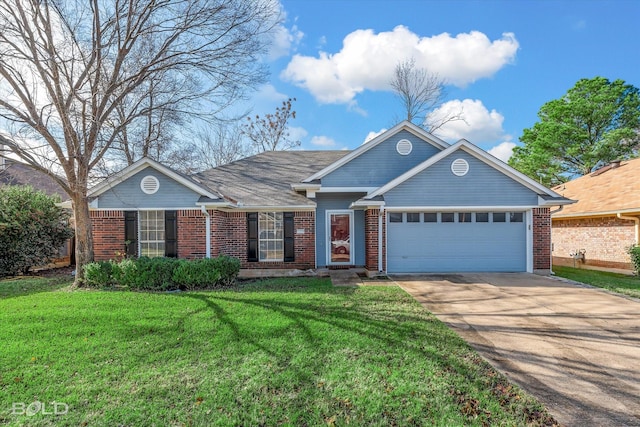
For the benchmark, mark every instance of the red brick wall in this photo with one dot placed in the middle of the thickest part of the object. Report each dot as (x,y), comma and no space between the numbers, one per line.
(604,239)
(371,239)
(541,239)
(191,234)
(228,237)
(108,234)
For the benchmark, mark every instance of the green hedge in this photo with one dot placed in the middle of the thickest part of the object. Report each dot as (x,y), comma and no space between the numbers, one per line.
(163,274)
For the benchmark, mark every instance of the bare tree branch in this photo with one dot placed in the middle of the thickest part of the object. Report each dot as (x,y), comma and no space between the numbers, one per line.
(83,76)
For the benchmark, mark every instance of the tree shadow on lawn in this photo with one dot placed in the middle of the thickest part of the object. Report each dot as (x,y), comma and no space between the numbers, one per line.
(383,328)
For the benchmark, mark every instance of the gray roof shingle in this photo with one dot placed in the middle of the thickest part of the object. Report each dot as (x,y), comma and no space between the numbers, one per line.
(16,173)
(265,179)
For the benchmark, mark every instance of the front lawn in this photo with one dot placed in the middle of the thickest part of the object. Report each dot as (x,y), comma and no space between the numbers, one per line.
(274,352)
(620,283)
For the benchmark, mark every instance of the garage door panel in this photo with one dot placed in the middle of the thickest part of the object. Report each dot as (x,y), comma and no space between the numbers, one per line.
(456,247)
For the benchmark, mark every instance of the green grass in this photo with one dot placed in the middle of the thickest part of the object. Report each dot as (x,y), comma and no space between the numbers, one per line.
(274,352)
(620,283)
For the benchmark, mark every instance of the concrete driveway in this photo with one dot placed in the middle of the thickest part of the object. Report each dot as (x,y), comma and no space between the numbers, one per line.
(576,349)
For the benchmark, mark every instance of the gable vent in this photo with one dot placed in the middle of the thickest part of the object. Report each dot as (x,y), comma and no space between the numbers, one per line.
(459,167)
(150,184)
(404,147)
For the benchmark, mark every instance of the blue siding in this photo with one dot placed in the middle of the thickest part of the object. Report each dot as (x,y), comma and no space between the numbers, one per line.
(338,201)
(481,186)
(129,195)
(380,164)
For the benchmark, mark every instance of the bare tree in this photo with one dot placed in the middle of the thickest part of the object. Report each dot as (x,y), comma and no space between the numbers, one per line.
(74,74)
(219,144)
(420,93)
(271,132)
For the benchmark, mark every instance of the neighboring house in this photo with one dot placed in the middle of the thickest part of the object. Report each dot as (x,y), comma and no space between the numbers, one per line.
(404,202)
(603,224)
(15,173)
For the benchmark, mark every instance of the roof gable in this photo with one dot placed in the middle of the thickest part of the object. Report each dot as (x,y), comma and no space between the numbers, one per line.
(479,154)
(606,191)
(369,145)
(144,163)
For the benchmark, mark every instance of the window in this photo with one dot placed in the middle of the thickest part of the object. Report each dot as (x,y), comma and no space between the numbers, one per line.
(482,216)
(464,217)
(395,216)
(430,217)
(516,217)
(271,236)
(499,217)
(413,217)
(152,233)
(447,217)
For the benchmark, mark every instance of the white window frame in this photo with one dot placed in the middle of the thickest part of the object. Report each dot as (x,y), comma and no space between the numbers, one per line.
(274,220)
(157,242)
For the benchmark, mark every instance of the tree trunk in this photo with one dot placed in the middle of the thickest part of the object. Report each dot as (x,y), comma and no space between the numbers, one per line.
(84,235)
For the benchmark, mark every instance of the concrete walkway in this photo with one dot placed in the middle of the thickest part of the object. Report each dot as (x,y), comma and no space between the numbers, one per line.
(344,278)
(576,349)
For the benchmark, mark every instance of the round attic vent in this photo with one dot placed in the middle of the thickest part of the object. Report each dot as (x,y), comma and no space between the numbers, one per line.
(459,167)
(404,147)
(150,184)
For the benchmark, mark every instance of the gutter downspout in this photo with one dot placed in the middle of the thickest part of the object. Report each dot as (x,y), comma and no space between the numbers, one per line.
(208,231)
(551,212)
(637,227)
(380,215)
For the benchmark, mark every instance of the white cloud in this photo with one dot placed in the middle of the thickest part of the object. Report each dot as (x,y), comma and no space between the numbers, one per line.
(268,94)
(479,125)
(367,61)
(323,141)
(297,133)
(503,151)
(373,134)
(285,40)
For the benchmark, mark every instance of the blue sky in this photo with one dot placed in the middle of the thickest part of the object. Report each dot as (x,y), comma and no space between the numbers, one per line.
(504,60)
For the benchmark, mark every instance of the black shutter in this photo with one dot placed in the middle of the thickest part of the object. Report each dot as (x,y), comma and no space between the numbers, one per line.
(252,236)
(171,234)
(289,237)
(131,232)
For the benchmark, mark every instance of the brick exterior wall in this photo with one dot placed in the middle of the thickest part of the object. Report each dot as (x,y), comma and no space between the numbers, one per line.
(108,234)
(228,237)
(541,239)
(371,239)
(604,239)
(191,234)
(235,242)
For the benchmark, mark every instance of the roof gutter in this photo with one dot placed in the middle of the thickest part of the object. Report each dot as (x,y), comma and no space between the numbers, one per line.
(556,210)
(637,226)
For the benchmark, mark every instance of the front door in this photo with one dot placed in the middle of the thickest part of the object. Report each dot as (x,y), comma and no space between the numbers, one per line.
(340,237)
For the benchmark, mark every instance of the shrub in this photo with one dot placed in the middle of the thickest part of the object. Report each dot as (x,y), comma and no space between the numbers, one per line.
(229,268)
(197,274)
(634,253)
(32,229)
(99,274)
(163,274)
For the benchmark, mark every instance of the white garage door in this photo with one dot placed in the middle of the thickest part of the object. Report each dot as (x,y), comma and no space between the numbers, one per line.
(419,242)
